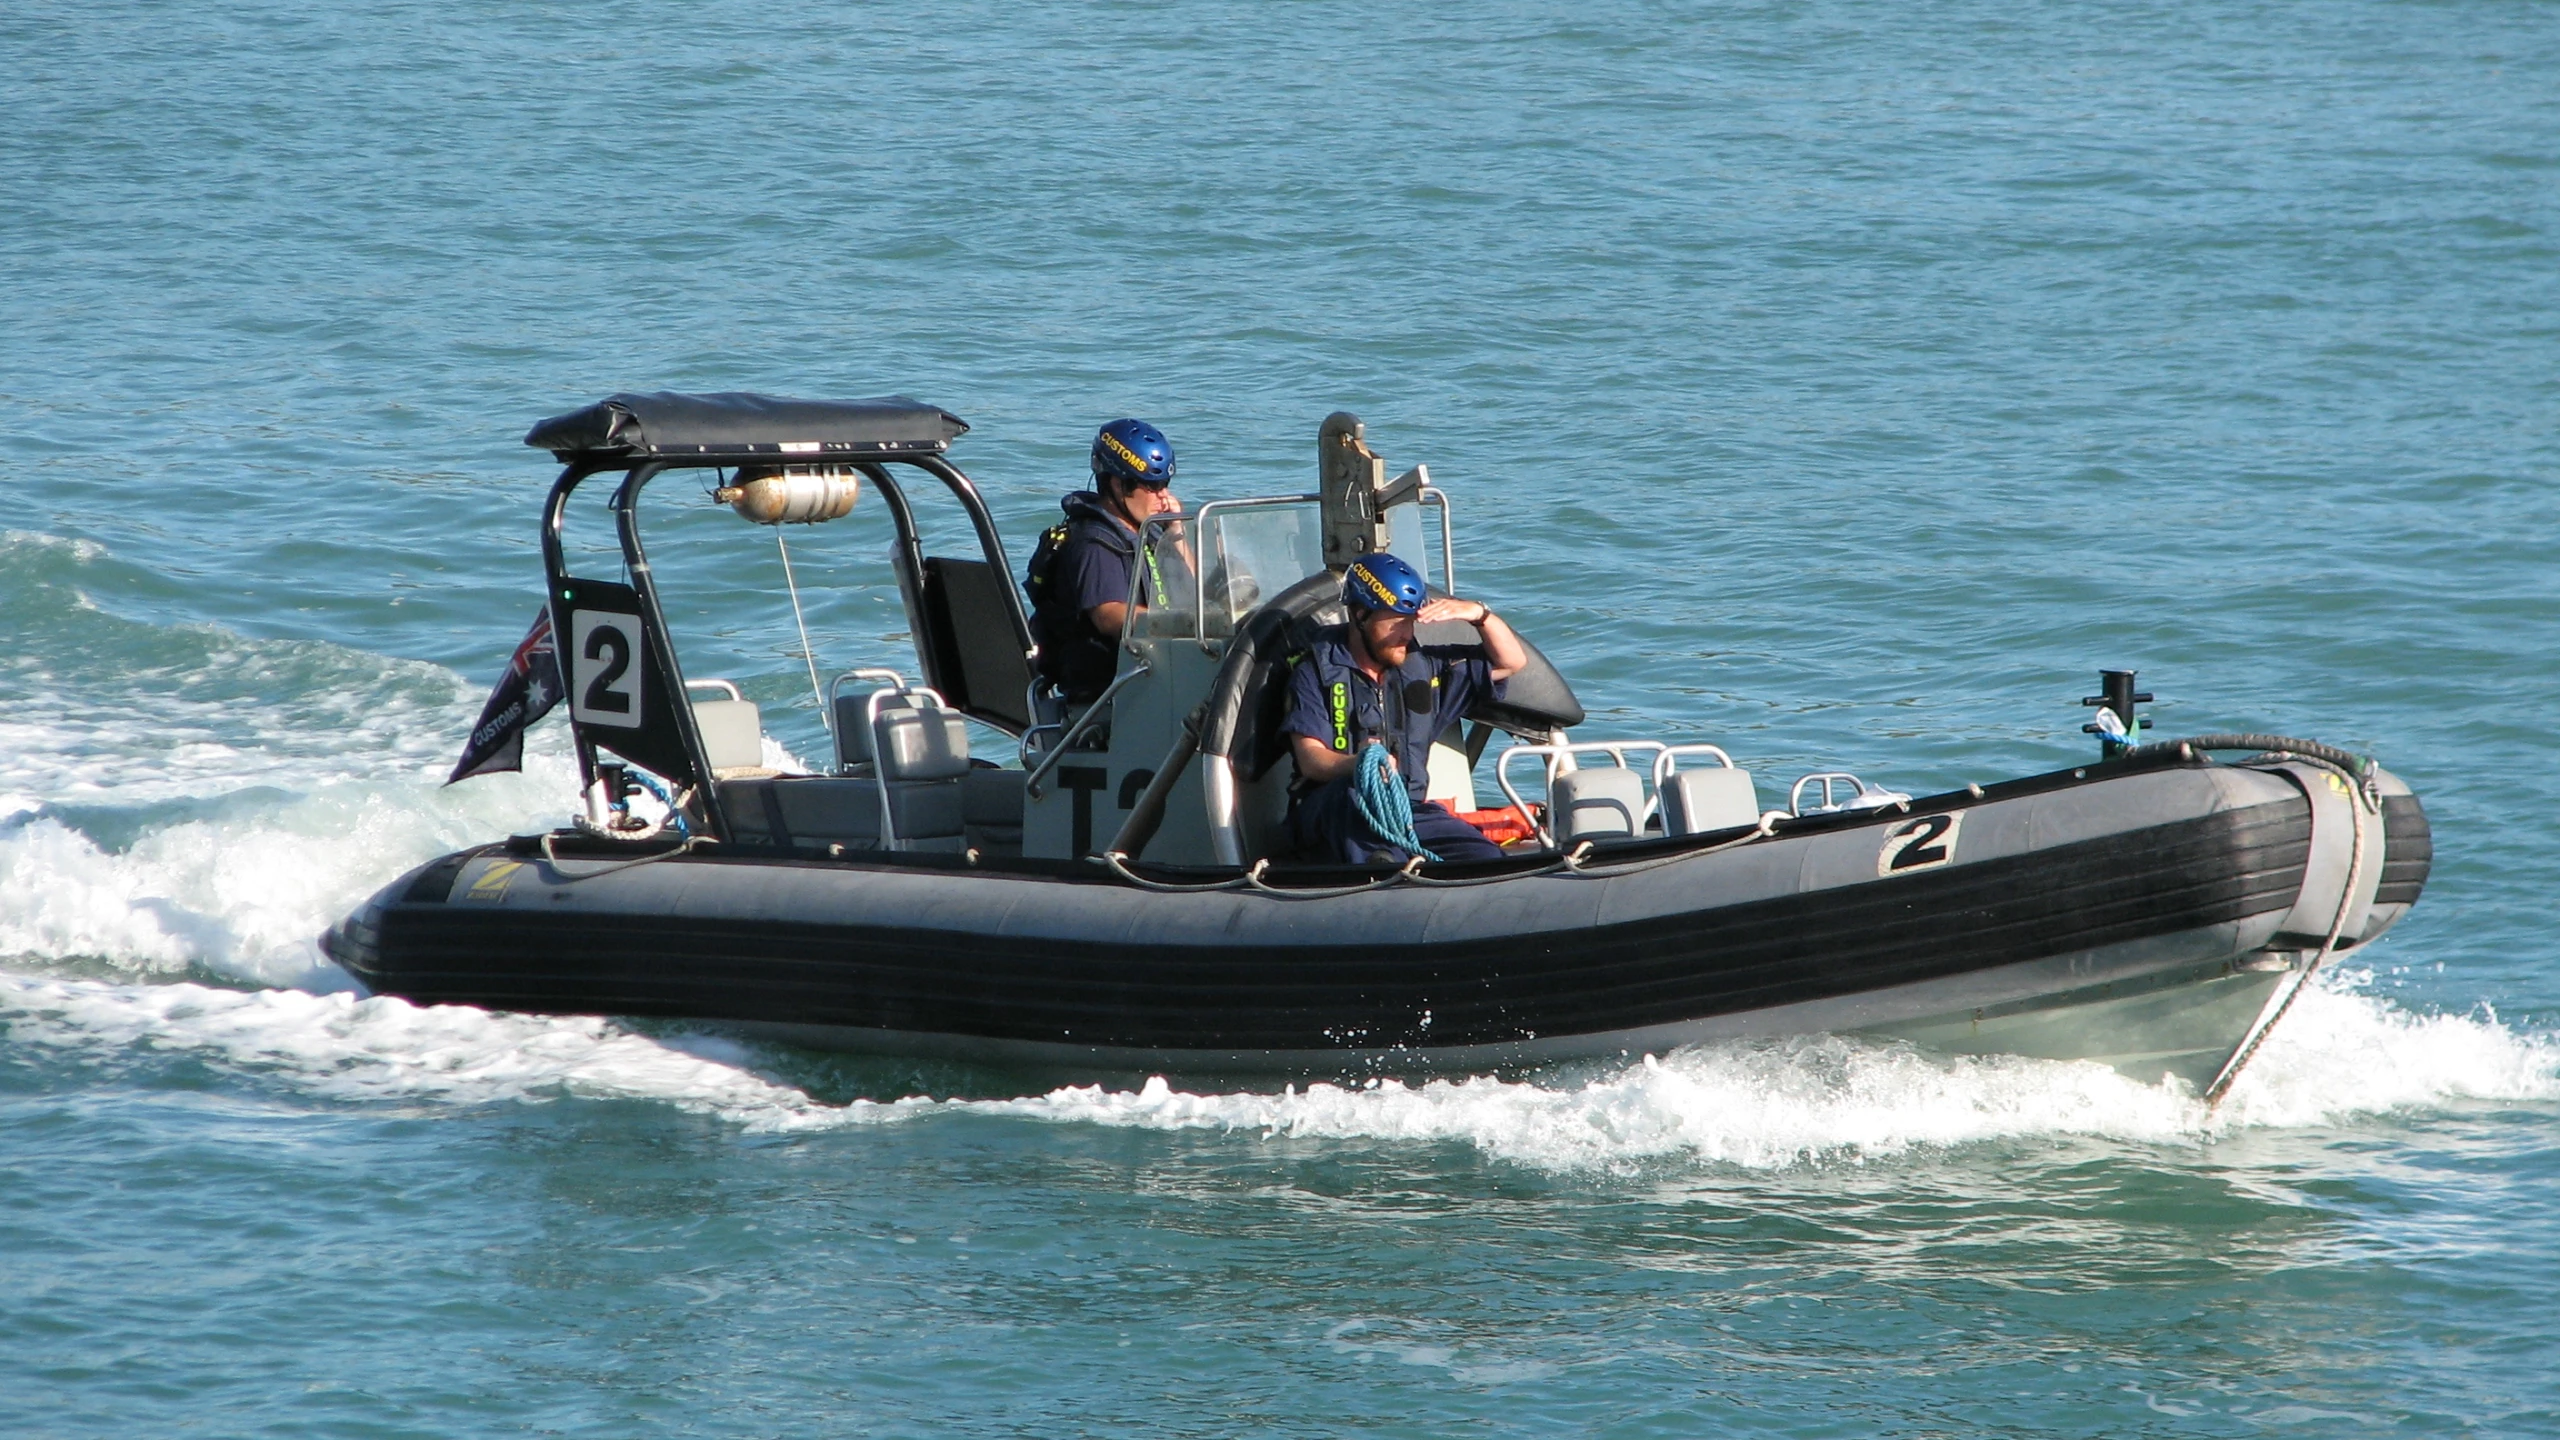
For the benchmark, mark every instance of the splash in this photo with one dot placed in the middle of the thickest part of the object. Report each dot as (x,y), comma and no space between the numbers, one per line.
(1819,1099)
(340,1048)
(241,885)
(1826,1098)
(214,801)
(2343,1052)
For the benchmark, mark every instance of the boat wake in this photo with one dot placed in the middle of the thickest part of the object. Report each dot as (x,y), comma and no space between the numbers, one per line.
(1822,1099)
(177,797)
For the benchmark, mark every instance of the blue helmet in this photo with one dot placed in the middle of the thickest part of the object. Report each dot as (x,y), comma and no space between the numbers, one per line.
(1133,452)
(1382,582)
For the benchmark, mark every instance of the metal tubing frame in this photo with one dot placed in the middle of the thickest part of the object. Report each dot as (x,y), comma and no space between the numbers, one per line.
(1558,756)
(1872,795)
(555,569)
(906,553)
(1448,543)
(1667,762)
(1084,722)
(635,561)
(897,686)
(908,565)
(626,514)
(965,491)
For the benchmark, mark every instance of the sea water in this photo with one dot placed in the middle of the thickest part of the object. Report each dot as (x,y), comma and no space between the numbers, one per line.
(1844,384)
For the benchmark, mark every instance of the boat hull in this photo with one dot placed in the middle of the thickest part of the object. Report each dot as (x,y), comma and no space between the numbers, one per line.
(2137,918)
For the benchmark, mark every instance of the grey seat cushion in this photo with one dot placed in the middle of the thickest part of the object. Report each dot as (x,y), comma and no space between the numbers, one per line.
(1600,803)
(918,743)
(826,809)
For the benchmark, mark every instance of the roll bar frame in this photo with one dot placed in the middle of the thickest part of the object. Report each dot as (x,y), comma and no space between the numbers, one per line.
(906,563)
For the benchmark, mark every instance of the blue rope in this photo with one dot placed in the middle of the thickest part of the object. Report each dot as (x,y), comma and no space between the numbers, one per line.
(1384,804)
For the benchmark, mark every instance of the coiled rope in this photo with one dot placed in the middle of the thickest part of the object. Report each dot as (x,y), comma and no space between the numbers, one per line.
(1385,806)
(566,876)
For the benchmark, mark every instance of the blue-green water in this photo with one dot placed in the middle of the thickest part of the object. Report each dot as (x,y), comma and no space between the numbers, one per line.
(1841,383)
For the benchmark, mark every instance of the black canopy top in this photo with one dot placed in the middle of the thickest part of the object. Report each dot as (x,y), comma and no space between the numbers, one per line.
(733,427)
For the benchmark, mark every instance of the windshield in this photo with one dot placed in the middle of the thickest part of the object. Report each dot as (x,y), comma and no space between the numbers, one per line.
(1253,550)
(1257,553)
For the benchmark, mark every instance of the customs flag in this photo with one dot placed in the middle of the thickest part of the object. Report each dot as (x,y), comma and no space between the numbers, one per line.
(523,695)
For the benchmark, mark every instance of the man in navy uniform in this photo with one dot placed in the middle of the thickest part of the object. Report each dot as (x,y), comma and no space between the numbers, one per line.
(1367,683)
(1078,580)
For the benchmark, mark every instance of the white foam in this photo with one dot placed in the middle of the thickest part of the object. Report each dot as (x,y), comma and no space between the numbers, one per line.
(339,1047)
(1759,1106)
(2342,1052)
(2339,1055)
(247,893)
(181,795)
(1819,1100)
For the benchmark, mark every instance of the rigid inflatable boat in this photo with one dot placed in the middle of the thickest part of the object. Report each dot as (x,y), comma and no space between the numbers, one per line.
(980,872)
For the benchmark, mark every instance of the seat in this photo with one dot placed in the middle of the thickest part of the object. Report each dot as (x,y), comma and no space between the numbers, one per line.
(732,732)
(973,652)
(920,738)
(823,811)
(1601,802)
(912,746)
(1697,801)
(991,809)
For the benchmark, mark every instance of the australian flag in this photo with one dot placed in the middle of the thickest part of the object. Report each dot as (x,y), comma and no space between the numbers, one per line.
(524,694)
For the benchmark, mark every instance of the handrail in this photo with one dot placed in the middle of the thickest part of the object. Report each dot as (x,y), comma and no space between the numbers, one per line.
(1557,753)
(1668,761)
(1084,722)
(1024,748)
(864,672)
(897,686)
(1863,796)
(729,685)
(1448,546)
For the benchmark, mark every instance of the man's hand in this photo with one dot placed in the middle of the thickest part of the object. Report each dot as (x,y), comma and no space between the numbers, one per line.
(1502,649)
(1317,761)
(1449,608)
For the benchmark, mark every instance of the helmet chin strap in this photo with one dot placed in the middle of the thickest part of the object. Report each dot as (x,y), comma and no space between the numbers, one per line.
(1118,494)
(1360,639)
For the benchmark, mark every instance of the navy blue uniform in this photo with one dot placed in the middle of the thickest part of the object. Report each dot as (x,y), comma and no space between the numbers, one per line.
(1090,567)
(1407,708)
